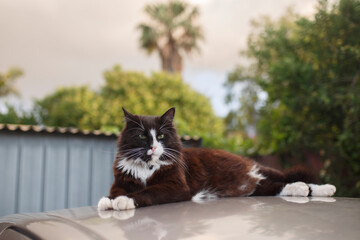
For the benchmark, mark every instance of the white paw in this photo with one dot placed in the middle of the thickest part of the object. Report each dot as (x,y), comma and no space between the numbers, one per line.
(326,190)
(298,189)
(104,204)
(123,203)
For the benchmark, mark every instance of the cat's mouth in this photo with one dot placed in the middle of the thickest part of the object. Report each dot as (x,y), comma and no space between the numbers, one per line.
(152,158)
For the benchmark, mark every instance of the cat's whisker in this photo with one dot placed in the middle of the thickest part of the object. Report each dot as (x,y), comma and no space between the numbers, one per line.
(134,155)
(176,160)
(171,154)
(130,152)
(132,149)
(173,150)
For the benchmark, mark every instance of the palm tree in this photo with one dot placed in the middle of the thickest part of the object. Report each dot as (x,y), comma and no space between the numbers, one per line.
(171,32)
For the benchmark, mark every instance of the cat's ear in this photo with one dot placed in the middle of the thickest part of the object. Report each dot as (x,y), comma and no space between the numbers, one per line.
(128,115)
(169,115)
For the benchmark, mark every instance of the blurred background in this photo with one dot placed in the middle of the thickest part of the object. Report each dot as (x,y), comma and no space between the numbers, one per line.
(275,80)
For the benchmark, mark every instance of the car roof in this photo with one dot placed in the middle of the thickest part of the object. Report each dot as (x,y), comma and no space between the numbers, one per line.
(228,218)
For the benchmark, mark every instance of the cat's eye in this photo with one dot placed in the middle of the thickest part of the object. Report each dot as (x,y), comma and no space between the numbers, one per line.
(142,136)
(161,136)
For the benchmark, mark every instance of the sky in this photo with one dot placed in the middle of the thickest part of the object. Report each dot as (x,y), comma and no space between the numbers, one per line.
(72,42)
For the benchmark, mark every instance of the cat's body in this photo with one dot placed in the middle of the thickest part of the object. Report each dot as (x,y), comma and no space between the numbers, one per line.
(151,167)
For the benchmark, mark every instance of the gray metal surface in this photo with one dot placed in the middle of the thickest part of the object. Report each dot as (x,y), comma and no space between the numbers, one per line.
(231,218)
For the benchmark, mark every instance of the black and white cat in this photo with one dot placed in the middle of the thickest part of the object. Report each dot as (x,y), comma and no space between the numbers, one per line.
(151,167)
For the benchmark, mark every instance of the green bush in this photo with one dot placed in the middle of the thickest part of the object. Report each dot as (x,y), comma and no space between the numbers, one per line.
(140,94)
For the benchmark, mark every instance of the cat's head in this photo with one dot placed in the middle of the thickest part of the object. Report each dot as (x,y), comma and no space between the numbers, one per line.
(150,140)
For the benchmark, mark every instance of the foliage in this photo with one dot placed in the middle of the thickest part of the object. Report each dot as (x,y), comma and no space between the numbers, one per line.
(7,81)
(170,32)
(309,70)
(15,115)
(152,96)
(12,114)
(147,95)
(70,107)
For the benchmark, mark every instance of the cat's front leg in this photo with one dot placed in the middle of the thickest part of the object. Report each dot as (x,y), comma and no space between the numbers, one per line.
(159,194)
(152,195)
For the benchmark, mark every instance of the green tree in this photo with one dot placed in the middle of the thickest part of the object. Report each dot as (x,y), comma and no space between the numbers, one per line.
(148,95)
(7,80)
(71,107)
(151,95)
(171,32)
(12,114)
(309,69)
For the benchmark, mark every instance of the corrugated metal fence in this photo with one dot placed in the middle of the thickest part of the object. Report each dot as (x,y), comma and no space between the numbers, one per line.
(46,170)
(40,172)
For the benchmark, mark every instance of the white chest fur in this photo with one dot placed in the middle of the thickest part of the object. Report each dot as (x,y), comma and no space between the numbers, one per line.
(137,168)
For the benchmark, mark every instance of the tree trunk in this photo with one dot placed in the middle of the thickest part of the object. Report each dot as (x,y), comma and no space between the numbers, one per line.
(170,59)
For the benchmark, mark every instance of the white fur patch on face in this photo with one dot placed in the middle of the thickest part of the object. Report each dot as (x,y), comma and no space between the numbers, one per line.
(104,204)
(159,149)
(203,196)
(298,189)
(254,173)
(123,203)
(326,190)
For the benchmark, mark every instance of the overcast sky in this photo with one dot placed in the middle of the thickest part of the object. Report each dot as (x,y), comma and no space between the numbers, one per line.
(71,42)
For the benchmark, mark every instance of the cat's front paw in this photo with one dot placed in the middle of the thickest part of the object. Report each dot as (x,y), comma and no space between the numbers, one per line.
(104,204)
(123,203)
(296,189)
(326,190)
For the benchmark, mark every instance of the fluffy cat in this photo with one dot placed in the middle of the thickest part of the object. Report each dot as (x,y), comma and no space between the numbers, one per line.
(151,167)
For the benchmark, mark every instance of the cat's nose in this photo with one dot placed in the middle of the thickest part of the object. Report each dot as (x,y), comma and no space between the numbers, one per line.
(153,148)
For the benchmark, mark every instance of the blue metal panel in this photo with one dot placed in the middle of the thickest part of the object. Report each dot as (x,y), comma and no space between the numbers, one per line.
(55,173)
(78,189)
(44,172)
(30,181)
(102,177)
(8,168)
